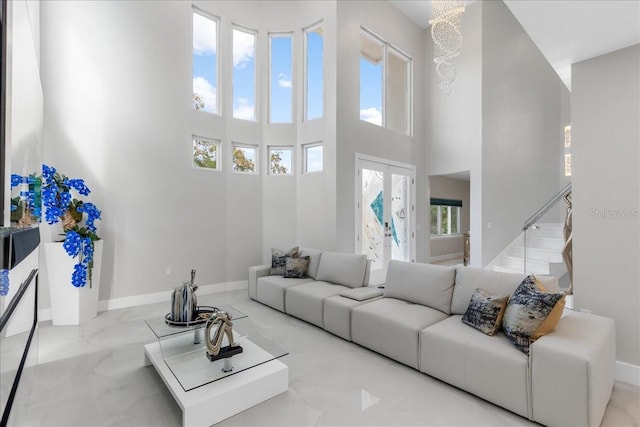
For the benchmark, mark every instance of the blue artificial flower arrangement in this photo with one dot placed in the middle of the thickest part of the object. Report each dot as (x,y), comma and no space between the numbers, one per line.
(60,206)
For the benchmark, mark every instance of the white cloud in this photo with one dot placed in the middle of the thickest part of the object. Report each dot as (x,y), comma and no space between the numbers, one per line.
(244,110)
(371,115)
(243,48)
(204,35)
(206,91)
(284,81)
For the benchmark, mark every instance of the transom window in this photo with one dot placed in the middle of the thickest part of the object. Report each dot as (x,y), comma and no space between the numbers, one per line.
(244,74)
(281,70)
(313,76)
(313,157)
(445,216)
(245,158)
(280,160)
(205,62)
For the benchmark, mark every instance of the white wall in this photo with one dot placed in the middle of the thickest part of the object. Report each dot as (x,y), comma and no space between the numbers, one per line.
(356,136)
(454,123)
(523,106)
(606,192)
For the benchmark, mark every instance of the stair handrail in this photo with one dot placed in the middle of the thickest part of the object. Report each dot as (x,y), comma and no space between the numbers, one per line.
(546,207)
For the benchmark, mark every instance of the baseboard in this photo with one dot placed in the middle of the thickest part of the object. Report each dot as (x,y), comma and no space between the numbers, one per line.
(628,373)
(164,296)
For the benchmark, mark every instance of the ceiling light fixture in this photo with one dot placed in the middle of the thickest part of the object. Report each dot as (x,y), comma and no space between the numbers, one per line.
(447,39)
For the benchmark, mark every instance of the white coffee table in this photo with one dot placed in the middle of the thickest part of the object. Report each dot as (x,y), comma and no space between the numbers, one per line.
(205,393)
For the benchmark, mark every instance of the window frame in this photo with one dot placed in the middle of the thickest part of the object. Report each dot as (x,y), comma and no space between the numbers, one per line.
(217,20)
(218,144)
(389,48)
(270,36)
(305,157)
(256,66)
(439,232)
(271,148)
(305,74)
(256,162)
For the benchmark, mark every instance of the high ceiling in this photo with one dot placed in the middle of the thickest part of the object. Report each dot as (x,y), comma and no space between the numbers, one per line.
(565,31)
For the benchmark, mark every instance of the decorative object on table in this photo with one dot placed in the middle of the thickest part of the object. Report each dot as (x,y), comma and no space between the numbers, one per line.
(223,326)
(184,303)
(75,261)
(203,313)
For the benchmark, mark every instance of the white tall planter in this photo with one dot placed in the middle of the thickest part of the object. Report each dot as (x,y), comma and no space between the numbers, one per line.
(71,305)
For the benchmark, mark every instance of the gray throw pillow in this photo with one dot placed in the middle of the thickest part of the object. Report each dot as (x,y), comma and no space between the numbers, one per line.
(485,311)
(279,260)
(296,268)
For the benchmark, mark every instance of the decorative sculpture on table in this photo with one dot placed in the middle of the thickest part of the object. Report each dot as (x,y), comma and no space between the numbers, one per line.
(184,303)
(221,320)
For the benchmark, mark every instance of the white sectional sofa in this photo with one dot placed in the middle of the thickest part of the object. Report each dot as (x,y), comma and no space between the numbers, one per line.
(565,380)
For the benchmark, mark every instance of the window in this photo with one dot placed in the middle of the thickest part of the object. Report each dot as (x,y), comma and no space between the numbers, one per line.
(385,84)
(280,160)
(244,74)
(313,157)
(445,216)
(245,158)
(313,42)
(281,69)
(205,63)
(206,153)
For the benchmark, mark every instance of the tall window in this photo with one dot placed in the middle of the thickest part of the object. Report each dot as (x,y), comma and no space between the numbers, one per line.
(281,70)
(445,216)
(206,153)
(385,84)
(244,74)
(314,78)
(313,157)
(280,160)
(245,158)
(205,62)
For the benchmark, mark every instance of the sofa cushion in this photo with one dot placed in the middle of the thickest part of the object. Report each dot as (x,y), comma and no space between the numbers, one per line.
(342,269)
(362,294)
(270,290)
(296,268)
(485,311)
(306,301)
(426,284)
(314,260)
(279,259)
(488,366)
(528,308)
(391,327)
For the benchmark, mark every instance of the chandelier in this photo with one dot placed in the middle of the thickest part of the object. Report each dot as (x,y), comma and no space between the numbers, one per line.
(447,39)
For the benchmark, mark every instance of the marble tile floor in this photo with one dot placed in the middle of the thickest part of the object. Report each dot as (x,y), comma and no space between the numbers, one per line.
(93,375)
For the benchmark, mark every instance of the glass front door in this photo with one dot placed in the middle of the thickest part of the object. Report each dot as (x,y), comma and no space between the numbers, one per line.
(384,214)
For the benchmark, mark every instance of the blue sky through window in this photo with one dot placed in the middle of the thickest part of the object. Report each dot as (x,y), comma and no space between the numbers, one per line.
(314,73)
(244,75)
(281,70)
(371,91)
(205,62)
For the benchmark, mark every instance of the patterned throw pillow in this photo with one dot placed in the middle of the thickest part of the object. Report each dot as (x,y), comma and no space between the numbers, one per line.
(279,258)
(296,268)
(485,311)
(530,306)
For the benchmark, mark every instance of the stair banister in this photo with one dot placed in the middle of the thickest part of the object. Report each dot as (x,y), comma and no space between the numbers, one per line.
(531,221)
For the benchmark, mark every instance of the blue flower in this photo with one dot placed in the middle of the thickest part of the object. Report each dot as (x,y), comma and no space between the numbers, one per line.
(65,200)
(53,214)
(93,213)
(16,180)
(4,282)
(48,172)
(79,186)
(79,276)
(72,243)
(87,250)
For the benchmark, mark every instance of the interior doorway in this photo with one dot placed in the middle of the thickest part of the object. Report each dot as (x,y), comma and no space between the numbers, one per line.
(385,213)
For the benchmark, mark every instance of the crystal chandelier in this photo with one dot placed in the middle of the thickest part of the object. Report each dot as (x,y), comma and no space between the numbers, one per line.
(447,39)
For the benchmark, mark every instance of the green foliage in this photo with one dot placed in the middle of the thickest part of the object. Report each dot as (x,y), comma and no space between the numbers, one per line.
(276,167)
(241,163)
(205,154)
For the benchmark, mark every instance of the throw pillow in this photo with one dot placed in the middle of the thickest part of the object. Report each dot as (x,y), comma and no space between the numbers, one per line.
(527,311)
(485,311)
(279,259)
(296,268)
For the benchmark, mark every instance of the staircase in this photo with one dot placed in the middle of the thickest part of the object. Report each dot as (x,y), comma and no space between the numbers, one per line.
(544,252)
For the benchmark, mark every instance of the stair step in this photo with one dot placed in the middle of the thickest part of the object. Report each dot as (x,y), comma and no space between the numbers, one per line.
(539,254)
(533,266)
(504,269)
(545,243)
(556,232)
